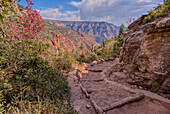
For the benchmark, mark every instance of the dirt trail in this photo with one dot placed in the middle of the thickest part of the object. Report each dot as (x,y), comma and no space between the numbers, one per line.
(95,94)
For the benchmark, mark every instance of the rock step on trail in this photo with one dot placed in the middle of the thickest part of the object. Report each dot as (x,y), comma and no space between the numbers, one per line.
(94,94)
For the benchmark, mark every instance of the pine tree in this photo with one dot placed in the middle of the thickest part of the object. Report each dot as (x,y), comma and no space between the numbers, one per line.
(120,39)
(122,29)
(165,1)
(82,46)
(117,46)
(104,43)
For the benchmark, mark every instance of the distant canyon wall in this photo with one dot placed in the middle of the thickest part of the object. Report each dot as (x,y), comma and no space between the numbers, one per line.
(93,30)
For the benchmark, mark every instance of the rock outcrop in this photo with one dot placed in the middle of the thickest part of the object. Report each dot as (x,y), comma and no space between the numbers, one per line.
(93,30)
(145,57)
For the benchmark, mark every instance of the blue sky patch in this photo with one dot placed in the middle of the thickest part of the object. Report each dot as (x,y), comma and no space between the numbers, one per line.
(113,11)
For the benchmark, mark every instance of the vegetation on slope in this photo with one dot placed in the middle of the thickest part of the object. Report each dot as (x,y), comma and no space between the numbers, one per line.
(67,39)
(32,77)
(30,80)
(159,11)
(111,48)
(108,48)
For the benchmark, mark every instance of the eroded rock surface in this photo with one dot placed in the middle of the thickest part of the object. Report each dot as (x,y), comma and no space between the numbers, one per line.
(145,58)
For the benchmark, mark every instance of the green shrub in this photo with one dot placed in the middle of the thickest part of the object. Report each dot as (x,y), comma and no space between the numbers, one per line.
(30,77)
(155,86)
(134,68)
(87,57)
(41,107)
(160,15)
(152,12)
(2,101)
(112,48)
(147,19)
(82,58)
(160,11)
(92,57)
(64,62)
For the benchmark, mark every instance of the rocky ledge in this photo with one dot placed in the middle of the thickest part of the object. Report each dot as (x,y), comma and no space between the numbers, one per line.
(145,58)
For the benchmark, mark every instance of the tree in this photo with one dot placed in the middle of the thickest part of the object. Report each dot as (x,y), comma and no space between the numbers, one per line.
(117,45)
(165,1)
(104,43)
(122,29)
(82,46)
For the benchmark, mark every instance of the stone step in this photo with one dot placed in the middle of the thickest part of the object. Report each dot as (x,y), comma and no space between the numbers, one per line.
(91,76)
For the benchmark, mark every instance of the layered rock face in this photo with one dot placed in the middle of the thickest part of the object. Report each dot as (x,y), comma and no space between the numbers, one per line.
(93,30)
(145,57)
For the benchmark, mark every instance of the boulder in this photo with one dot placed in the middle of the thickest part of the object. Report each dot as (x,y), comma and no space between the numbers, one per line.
(102,60)
(118,76)
(93,63)
(106,59)
(166,86)
(88,106)
(99,62)
(111,58)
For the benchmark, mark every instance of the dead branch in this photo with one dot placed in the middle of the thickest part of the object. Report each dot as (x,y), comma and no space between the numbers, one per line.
(124,101)
(84,90)
(97,108)
(97,80)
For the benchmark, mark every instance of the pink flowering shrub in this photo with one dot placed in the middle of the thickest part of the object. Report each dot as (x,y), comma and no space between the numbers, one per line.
(28,25)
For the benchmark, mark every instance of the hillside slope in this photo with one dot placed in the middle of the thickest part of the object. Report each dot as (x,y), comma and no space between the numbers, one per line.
(64,39)
(91,30)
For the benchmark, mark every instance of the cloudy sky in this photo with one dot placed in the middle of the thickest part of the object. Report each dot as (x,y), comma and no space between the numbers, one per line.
(113,11)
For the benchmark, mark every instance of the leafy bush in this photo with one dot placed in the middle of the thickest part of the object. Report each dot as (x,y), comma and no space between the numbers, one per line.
(87,57)
(147,19)
(92,57)
(64,62)
(31,77)
(29,83)
(41,107)
(160,11)
(112,48)
(155,87)
(2,100)
(3,85)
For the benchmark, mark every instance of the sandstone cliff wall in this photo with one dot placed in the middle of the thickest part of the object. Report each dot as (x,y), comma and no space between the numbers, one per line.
(145,57)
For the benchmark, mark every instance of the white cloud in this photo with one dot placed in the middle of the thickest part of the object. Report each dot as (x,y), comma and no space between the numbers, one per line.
(144,0)
(56,14)
(106,18)
(72,16)
(115,11)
